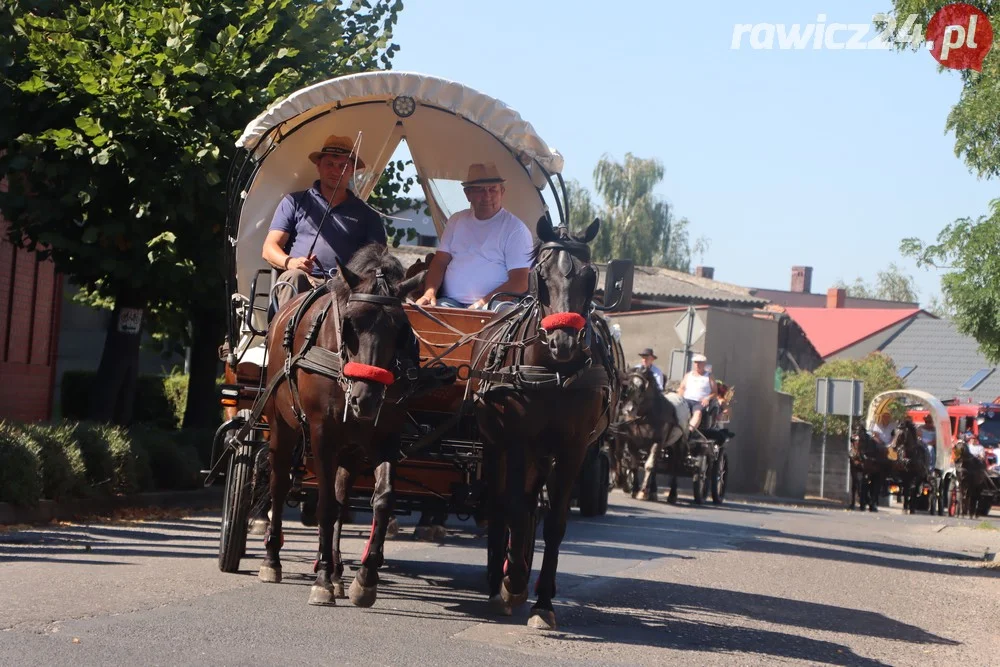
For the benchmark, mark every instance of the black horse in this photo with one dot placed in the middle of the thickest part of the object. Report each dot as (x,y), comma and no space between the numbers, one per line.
(647,422)
(346,344)
(548,390)
(913,463)
(868,467)
(973,482)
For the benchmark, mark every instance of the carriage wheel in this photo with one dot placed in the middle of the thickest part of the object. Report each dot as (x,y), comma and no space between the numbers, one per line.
(236,508)
(720,478)
(700,481)
(602,498)
(590,485)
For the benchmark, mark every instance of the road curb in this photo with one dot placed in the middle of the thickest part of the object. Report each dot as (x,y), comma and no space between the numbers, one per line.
(50,510)
(776,500)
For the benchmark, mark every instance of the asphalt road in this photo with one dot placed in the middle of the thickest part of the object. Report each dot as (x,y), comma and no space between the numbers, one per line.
(649,584)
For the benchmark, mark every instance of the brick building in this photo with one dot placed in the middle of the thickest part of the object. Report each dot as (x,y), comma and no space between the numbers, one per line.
(29,321)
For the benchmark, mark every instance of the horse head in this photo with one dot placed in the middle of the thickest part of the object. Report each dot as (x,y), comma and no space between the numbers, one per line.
(862,443)
(563,281)
(639,387)
(375,338)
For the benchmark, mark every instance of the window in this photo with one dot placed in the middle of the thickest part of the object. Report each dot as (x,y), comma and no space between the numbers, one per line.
(906,370)
(976,379)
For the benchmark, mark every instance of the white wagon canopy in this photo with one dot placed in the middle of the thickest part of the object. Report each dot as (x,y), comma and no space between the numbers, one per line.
(446,126)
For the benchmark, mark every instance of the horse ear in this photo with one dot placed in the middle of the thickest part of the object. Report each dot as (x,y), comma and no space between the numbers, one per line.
(544,229)
(406,286)
(352,279)
(592,230)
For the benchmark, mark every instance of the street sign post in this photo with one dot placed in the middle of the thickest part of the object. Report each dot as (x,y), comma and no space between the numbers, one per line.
(838,397)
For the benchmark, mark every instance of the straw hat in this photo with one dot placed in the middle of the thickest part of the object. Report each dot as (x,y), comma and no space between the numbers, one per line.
(335,145)
(482,174)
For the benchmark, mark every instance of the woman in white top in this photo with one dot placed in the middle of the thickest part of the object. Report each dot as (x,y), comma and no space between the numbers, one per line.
(697,388)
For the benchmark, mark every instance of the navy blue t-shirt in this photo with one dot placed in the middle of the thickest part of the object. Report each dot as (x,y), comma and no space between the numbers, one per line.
(349,226)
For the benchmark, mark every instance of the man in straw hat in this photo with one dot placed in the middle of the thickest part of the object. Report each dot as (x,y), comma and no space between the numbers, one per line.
(484,250)
(313,228)
(697,388)
(647,362)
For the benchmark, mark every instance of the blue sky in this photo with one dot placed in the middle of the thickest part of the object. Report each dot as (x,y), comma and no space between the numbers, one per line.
(825,158)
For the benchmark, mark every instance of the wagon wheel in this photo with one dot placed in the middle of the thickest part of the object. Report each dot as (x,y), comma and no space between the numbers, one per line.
(720,478)
(236,503)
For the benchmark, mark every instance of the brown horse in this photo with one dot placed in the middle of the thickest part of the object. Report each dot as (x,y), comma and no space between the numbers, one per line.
(548,391)
(339,404)
(647,422)
(913,463)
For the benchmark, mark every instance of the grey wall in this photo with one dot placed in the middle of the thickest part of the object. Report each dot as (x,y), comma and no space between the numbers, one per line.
(836,466)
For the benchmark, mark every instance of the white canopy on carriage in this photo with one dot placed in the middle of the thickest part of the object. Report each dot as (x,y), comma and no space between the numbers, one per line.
(447,126)
(937,410)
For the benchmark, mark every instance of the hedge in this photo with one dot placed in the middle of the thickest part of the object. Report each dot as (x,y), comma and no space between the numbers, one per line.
(159,400)
(81,459)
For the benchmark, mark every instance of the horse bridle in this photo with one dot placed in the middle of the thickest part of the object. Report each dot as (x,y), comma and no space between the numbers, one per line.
(567,249)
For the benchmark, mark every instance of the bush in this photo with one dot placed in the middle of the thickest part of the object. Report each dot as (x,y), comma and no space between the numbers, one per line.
(876,370)
(64,474)
(173,464)
(113,463)
(21,472)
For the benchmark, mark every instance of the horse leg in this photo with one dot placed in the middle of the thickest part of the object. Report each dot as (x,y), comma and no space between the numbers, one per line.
(364,588)
(648,491)
(874,486)
(323,592)
(560,485)
(855,488)
(494,463)
(345,480)
(282,447)
(514,590)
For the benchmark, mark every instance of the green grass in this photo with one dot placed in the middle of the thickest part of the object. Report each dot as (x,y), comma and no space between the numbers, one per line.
(986,525)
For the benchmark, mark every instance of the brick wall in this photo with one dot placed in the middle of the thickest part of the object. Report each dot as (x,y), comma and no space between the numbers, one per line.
(29,318)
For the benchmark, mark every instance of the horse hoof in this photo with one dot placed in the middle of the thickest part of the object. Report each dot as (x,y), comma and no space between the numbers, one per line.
(500,607)
(873,509)
(640,496)
(542,619)
(269,575)
(362,596)
(513,599)
(259,526)
(322,596)
(424,533)
(439,533)
(338,590)
(391,529)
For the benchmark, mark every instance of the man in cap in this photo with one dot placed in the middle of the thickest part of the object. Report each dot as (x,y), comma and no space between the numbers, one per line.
(313,228)
(697,388)
(647,362)
(485,249)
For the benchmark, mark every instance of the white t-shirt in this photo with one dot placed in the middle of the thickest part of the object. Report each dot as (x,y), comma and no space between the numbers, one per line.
(482,252)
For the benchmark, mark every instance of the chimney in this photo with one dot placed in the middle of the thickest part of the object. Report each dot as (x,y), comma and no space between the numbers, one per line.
(802,278)
(704,272)
(835,297)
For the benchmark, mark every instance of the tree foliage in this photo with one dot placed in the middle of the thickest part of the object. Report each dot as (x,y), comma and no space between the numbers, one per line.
(891,284)
(636,223)
(876,370)
(967,251)
(126,117)
(975,118)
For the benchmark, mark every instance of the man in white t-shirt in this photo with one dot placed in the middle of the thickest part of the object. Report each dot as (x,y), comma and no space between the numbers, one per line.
(485,249)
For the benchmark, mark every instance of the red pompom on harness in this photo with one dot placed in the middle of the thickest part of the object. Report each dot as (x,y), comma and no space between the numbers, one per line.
(573,321)
(357,371)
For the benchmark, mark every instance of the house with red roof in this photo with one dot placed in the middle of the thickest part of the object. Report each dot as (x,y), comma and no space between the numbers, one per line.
(852,333)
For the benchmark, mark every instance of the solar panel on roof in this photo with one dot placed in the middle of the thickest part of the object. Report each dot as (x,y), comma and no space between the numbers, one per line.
(976,379)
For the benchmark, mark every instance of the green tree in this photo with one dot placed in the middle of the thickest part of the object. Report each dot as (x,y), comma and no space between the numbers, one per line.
(635,223)
(891,284)
(966,249)
(120,121)
(876,370)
